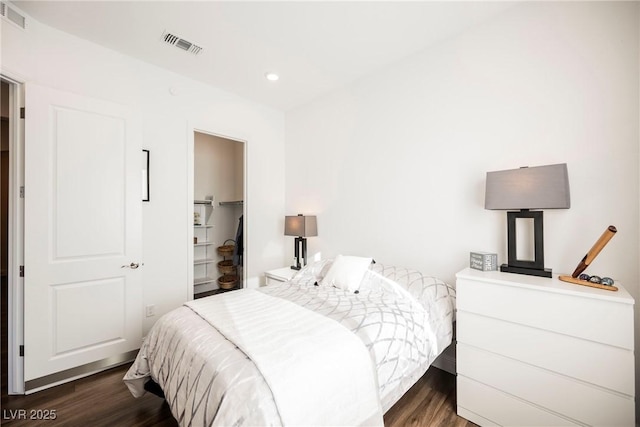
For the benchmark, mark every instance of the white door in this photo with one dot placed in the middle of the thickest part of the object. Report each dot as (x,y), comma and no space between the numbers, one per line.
(82,296)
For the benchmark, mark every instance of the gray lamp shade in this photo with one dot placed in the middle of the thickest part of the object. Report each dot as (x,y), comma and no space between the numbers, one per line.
(301,226)
(539,187)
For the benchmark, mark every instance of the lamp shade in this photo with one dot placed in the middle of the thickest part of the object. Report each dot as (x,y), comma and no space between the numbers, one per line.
(539,187)
(301,226)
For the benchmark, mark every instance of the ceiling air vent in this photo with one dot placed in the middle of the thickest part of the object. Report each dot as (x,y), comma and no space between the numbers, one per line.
(12,15)
(183,44)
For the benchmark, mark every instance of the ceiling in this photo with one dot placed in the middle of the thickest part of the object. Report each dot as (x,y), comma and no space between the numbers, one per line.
(314,46)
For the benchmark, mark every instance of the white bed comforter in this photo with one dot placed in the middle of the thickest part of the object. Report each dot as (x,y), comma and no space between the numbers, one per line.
(289,357)
(403,318)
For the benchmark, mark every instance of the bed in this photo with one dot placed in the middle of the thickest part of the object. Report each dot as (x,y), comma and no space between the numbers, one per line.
(338,344)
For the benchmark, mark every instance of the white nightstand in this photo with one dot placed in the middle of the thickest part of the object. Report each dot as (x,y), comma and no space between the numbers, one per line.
(538,351)
(279,275)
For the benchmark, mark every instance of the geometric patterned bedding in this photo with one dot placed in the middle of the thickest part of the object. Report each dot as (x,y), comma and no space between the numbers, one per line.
(404,319)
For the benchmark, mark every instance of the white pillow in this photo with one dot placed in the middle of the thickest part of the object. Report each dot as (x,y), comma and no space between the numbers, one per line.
(347,272)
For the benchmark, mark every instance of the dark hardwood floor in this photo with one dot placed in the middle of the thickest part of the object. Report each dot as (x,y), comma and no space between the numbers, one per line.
(104,400)
(431,402)
(98,400)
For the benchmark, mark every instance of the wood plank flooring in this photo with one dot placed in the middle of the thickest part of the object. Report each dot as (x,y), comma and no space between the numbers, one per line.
(104,400)
(431,402)
(98,400)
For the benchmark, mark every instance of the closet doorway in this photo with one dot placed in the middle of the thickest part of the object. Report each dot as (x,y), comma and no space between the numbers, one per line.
(219,242)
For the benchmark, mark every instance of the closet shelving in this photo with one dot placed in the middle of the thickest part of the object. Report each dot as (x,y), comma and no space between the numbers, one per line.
(204,257)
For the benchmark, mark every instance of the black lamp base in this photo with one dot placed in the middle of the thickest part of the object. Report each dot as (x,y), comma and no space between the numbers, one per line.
(300,242)
(515,265)
(545,272)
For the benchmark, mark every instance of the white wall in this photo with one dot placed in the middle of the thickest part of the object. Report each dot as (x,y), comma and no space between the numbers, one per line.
(49,57)
(394,164)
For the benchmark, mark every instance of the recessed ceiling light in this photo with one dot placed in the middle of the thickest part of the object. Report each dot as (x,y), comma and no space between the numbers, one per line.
(272,77)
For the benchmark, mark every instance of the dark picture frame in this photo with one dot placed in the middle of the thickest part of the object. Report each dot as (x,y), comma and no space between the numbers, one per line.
(145,175)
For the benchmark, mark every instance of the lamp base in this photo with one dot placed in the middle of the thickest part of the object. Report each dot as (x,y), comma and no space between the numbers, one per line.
(544,272)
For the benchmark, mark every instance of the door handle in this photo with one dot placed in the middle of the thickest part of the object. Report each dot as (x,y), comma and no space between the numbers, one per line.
(132,266)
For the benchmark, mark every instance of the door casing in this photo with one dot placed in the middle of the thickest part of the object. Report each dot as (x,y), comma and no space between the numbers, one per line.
(15,283)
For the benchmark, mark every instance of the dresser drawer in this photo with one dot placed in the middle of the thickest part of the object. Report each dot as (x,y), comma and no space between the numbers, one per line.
(574,399)
(593,319)
(603,365)
(498,408)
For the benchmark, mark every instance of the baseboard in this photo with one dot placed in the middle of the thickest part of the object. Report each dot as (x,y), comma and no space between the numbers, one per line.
(78,372)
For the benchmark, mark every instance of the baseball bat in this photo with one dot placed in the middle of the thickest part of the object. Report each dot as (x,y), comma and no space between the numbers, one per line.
(595,250)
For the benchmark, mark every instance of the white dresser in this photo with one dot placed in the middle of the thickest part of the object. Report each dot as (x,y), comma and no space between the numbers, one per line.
(535,351)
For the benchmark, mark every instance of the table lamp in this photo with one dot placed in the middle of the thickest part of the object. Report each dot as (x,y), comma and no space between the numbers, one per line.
(300,226)
(520,190)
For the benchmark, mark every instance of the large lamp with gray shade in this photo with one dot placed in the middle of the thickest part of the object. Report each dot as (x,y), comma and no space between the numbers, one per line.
(519,191)
(300,226)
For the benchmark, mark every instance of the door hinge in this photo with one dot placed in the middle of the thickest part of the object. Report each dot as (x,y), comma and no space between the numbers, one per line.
(22,271)
(22,192)
(21,351)
(22,112)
